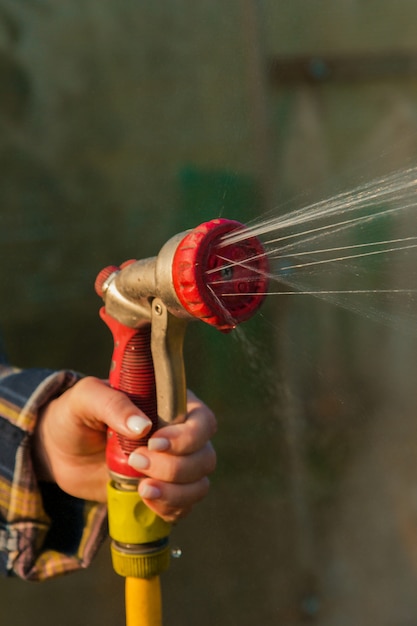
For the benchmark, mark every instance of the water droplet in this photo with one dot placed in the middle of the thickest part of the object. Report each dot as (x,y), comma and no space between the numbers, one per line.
(176,553)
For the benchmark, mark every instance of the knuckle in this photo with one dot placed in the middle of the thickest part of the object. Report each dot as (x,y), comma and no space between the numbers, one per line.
(88,383)
(212,424)
(211,460)
(205,415)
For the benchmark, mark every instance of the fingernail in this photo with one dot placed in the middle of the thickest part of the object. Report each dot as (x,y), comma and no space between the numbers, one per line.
(137,424)
(149,492)
(158,443)
(138,461)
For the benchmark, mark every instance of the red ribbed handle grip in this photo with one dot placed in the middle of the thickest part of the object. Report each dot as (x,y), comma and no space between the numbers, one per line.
(132,372)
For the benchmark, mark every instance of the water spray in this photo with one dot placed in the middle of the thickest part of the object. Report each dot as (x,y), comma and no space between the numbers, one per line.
(197,275)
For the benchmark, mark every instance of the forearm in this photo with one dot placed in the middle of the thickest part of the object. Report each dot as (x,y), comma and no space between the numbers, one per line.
(43,531)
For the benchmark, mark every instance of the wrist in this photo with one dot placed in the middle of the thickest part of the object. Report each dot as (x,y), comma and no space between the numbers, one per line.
(40,457)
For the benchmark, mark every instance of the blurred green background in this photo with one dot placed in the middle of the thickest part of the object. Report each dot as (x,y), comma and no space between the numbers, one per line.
(123,123)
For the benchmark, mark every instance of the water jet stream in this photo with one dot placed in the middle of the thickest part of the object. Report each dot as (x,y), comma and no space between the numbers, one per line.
(374,224)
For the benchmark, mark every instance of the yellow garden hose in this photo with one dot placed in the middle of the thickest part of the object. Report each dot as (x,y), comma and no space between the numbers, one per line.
(143,601)
(140,553)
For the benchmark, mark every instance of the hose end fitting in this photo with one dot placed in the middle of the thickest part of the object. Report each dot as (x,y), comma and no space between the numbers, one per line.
(139,536)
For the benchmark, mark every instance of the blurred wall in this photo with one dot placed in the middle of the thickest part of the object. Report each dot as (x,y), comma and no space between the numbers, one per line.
(123,122)
(93,108)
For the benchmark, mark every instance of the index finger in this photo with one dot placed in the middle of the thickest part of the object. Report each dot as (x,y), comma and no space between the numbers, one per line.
(190,436)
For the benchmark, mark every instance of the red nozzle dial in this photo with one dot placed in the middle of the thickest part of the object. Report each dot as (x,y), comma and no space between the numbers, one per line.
(218,282)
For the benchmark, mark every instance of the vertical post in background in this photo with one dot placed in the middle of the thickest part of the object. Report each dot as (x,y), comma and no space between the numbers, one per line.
(258,96)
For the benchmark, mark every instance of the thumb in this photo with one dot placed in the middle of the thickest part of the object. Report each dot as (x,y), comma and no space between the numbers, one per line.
(101,406)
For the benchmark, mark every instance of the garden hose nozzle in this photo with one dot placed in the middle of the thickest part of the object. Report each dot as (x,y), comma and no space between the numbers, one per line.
(214,273)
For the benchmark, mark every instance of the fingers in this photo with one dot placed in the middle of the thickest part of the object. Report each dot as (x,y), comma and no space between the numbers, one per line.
(98,406)
(188,437)
(175,469)
(180,453)
(177,462)
(170,501)
(174,465)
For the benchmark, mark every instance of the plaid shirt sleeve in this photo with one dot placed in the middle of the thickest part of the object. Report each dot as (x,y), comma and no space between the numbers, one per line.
(44,532)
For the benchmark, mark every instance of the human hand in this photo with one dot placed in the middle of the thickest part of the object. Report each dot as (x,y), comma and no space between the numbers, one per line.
(70,440)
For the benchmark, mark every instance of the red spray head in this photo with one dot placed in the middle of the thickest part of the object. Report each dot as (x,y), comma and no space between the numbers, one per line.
(219,282)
